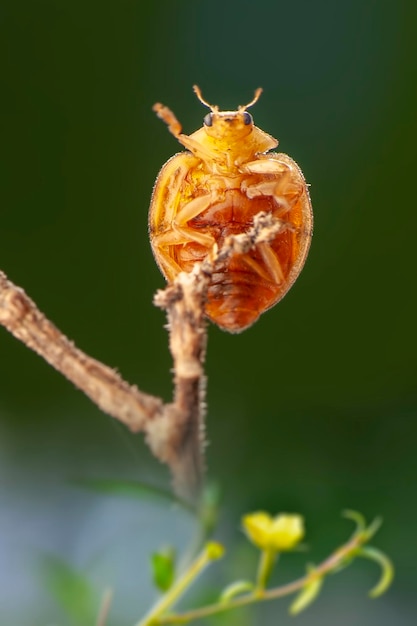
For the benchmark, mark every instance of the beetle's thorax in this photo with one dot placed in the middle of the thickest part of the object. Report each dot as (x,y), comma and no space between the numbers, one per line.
(229,143)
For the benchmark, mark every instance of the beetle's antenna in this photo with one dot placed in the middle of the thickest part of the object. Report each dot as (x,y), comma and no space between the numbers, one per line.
(199,95)
(252,102)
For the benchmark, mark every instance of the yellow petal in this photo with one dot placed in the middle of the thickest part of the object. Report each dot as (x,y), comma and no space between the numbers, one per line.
(287,530)
(258,528)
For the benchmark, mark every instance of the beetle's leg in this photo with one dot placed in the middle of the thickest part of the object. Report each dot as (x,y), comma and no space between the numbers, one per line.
(284,191)
(173,187)
(193,208)
(167,116)
(254,190)
(264,166)
(169,266)
(197,148)
(167,193)
(175,128)
(187,212)
(255,267)
(180,233)
(179,236)
(271,261)
(287,189)
(190,235)
(164,243)
(267,189)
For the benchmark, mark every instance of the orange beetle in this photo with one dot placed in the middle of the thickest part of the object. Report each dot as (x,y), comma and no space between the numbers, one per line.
(214,189)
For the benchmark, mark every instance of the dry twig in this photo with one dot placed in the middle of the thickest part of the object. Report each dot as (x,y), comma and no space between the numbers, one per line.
(20,315)
(173,431)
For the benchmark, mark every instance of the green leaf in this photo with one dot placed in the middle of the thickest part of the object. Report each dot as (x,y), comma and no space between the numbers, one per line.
(132,489)
(355,517)
(387,568)
(308,593)
(163,568)
(71,590)
(373,527)
(235,589)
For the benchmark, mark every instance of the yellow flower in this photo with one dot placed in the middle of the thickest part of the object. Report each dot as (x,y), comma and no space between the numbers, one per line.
(279,533)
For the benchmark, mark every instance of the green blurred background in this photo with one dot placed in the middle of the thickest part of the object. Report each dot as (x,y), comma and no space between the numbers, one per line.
(311,410)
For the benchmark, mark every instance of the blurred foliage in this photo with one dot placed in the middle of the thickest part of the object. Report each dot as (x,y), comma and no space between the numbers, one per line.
(72,590)
(163,568)
(270,535)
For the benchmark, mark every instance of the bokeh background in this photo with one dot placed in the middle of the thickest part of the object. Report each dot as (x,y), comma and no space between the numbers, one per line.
(311,410)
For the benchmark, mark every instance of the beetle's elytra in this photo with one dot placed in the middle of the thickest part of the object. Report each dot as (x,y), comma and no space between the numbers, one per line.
(214,189)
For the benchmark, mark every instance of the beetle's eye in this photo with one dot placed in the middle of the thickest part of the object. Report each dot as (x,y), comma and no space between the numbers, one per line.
(247,118)
(208,120)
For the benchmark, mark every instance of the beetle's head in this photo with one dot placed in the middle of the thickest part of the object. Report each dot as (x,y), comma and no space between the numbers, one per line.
(228,126)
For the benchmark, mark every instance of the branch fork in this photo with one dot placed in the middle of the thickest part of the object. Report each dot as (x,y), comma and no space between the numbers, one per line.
(174,431)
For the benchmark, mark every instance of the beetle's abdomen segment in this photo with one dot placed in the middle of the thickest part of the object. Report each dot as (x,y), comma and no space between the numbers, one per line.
(245,288)
(236,299)
(246,285)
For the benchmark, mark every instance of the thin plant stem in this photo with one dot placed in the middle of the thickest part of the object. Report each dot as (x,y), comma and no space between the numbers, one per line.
(331,563)
(177,589)
(104,607)
(266,563)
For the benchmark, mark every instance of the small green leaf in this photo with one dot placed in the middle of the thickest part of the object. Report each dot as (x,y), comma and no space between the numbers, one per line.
(355,517)
(386,565)
(308,593)
(71,590)
(163,568)
(132,489)
(373,527)
(235,589)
